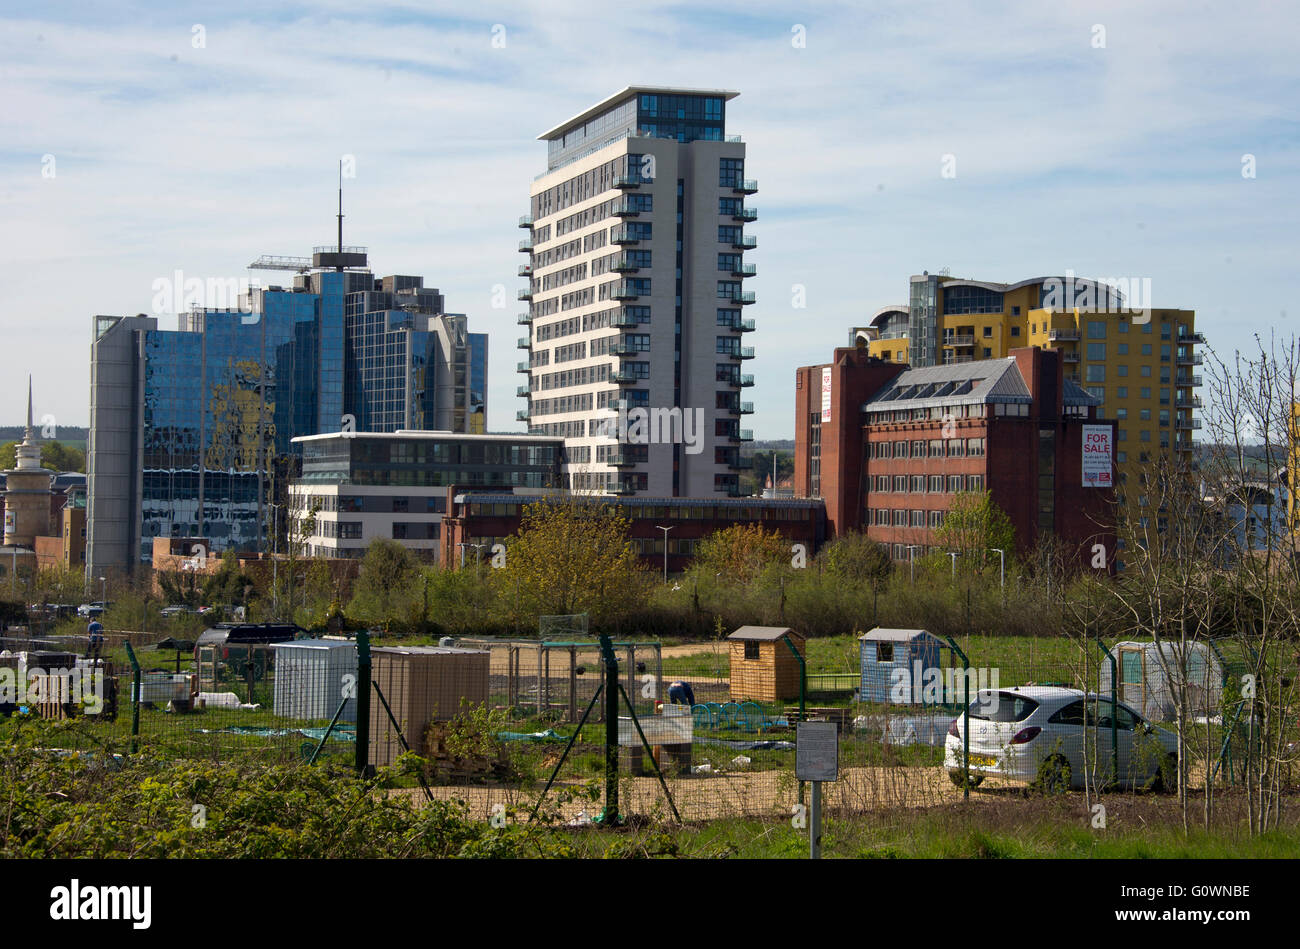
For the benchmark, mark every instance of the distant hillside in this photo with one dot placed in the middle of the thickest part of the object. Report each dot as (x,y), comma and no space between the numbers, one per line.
(69,434)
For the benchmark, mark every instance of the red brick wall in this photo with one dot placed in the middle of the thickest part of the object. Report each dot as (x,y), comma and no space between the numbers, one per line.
(855,377)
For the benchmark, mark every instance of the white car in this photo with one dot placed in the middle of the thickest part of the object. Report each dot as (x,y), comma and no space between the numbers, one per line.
(1036,734)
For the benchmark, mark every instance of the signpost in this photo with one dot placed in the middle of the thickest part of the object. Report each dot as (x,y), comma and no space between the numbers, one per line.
(817,759)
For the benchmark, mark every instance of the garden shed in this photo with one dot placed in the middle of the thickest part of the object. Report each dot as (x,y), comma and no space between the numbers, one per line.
(898,663)
(422,684)
(1149,675)
(764,668)
(311,676)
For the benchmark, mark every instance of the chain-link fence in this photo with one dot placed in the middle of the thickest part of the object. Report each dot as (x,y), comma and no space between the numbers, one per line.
(496,723)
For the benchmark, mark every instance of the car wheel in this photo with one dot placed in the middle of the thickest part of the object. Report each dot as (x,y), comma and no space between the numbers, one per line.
(1053,775)
(1165,780)
(972,780)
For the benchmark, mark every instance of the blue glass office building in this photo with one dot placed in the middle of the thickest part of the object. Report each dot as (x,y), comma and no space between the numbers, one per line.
(192,428)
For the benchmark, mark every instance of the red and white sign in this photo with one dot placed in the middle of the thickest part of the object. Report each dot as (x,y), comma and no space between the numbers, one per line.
(1097,456)
(826,394)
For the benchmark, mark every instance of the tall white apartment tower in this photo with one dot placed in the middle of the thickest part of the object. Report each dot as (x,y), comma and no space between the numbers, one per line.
(636,299)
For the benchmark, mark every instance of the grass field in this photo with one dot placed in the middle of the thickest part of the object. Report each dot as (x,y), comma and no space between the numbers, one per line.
(1138,827)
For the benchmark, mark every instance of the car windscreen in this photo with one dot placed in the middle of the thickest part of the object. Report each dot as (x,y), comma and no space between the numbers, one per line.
(1002,707)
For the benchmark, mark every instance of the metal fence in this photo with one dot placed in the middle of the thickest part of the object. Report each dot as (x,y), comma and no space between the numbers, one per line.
(494,723)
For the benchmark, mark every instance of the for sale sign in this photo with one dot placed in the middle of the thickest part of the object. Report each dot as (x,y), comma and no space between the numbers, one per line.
(826,394)
(1097,461)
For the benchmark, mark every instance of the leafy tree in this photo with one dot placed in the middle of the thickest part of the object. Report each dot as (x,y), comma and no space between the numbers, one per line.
(230,585)
(973,525)
(388,589)
(742,552)
(572,555)
(856,558)
(54,455)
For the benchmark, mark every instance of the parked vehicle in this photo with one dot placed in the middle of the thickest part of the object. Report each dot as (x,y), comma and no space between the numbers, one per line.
(90,610)
(1036,734)
(238,652)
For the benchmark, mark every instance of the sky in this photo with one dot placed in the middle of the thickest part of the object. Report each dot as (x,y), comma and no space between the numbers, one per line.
(1152,141)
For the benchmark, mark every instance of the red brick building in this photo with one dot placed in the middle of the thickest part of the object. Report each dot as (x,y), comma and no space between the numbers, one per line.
(476,520)
(888,447)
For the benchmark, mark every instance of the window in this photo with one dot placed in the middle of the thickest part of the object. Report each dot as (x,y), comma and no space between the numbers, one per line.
(1122,371)
(1095,374)
(1122,349)
(1146,349)
(1097,352)
(1121,414)
(1015,330)
(988,353)
(988,332)
(1096,329)
(751,650)
(1146,392)
(884,652)
(1121,392)
(936,484)
(1002,707)
(954,483)
(1145,436)
(1145,415)
(1146,372)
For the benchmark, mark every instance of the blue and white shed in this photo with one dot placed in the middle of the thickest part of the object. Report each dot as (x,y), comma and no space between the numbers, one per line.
(895,663)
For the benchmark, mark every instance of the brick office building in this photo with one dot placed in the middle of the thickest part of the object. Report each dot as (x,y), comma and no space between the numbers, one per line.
(889,449)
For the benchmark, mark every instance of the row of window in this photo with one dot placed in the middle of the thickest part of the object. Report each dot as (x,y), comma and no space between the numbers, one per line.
(883,517)
(932,448)
(925,484)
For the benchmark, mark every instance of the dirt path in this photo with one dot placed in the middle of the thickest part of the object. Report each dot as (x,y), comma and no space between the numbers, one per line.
(733,794)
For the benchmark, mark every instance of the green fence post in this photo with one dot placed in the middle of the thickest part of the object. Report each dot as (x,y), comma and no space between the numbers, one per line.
(609,816)
(363,701)
(1114,711)
(965,719)
(803,692)
(135,697)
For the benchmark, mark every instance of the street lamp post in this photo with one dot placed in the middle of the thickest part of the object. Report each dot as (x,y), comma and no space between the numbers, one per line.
(911,560)
(954,554)
(1002,570)
(103,591)
(665,530)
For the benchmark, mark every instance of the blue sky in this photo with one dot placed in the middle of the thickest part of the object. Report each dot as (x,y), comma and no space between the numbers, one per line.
(1115,161)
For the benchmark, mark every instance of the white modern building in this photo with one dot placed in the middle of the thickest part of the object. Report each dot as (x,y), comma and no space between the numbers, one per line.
(357,486)
(636,300)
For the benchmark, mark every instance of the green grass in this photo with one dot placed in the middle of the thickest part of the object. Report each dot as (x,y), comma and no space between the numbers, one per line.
(1139,829)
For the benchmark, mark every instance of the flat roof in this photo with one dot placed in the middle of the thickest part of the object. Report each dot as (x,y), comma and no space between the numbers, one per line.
(628,91)
(430,435)
(485,497)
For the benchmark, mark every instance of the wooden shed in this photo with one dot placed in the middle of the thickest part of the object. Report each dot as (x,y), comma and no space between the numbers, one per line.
(896,664)
(422,684)
(763,668)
